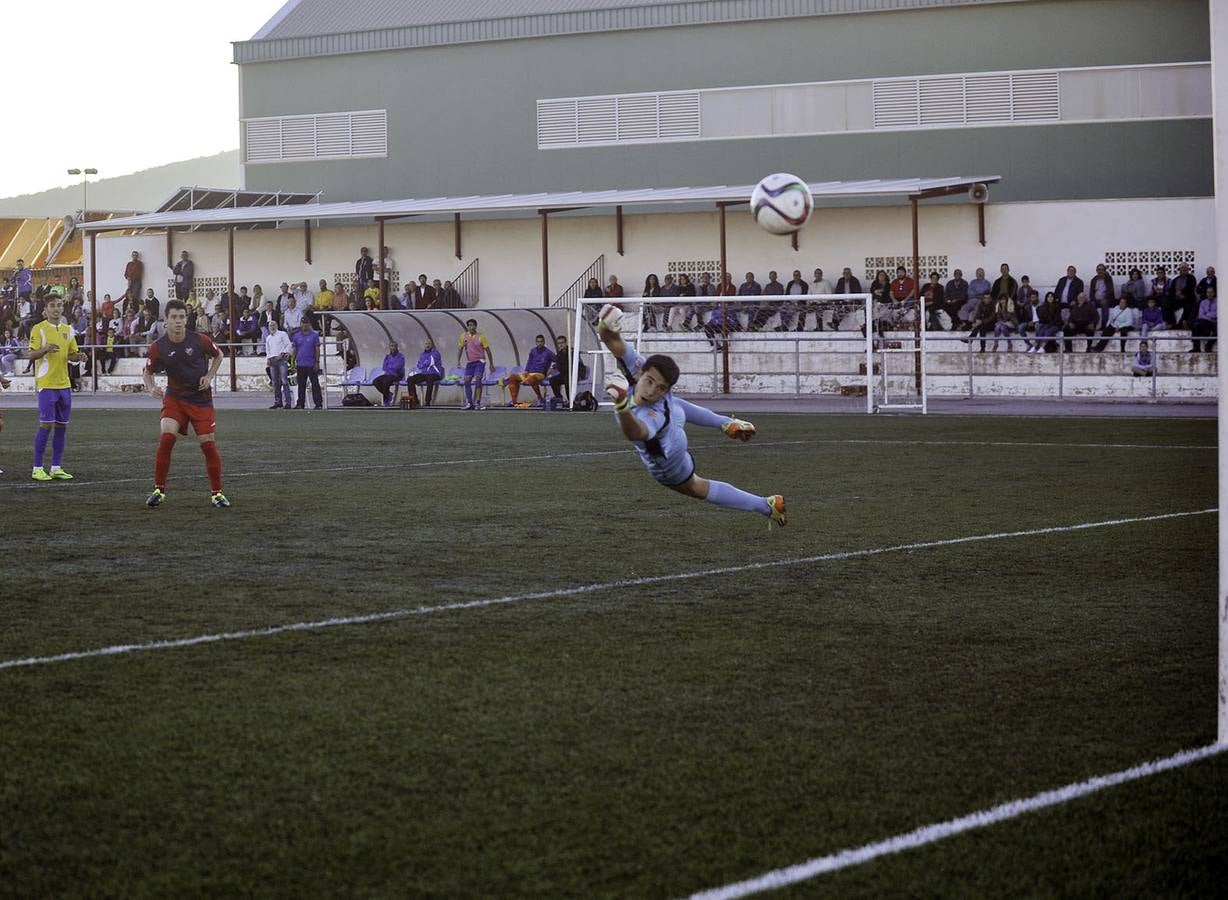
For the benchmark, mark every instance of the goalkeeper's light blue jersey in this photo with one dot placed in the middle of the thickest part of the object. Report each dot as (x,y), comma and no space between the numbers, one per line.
(664,452)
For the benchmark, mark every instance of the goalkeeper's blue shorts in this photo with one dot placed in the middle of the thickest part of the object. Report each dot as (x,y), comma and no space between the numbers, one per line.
(671,470)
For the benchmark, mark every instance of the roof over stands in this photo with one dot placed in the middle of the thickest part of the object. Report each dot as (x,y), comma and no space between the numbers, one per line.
(269,214)
(188,199)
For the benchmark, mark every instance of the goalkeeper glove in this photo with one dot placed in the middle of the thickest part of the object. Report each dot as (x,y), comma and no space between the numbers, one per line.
(610,318)
(616,390)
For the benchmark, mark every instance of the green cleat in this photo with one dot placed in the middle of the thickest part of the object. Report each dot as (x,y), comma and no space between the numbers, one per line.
(59,474)
(219,500)
(776,504)
(156,498)
(40,474)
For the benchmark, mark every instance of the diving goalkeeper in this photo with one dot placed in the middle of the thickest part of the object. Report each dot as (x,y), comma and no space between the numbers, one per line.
(653,419)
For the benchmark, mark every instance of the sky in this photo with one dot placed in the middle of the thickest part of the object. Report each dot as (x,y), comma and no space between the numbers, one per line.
(95,76)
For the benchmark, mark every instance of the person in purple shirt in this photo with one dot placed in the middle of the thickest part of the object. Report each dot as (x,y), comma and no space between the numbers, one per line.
(1207,323)
(24,279)
(427,370)
(541,358)
(393,371)
(306,358)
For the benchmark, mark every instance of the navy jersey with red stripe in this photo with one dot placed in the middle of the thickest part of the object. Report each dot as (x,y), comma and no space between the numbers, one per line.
(185,365)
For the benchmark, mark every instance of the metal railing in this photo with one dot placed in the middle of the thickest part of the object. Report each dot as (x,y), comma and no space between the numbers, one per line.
(466,284)
(569,297)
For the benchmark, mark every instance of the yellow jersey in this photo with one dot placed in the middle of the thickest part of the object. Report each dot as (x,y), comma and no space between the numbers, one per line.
(51,371)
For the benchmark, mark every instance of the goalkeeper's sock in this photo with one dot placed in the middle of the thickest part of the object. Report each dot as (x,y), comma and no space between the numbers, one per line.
(162,460)
(213,465)
(41,436)
(724,494)
(699,415)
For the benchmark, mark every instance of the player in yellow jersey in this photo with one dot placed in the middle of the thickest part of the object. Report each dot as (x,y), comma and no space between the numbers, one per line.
(52,348)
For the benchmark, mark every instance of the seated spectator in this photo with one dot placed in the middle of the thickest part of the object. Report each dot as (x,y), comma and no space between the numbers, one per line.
(1151,317)
(1121,321)
(652,288)
(1048,324)
(1006,322)
(1208,281)
(1207,322)
(939,318)
(541,358)
(559,376)
(291,315)
(724,317)
(613,288)
(1083,320)
(664,310)
(10,349)
(902,287)
(323,301)
(594,289)
(1027,312)
(371,298)
(1144,361)
(393,371)
(1136,290)
(153,305)
(1180,306)
(427,371)
(983,320)
(247,330)
(448,297)
(341,298)
(1005,285)
(686,288)
(705,288)
(757,316)
(979,286)
(408,298)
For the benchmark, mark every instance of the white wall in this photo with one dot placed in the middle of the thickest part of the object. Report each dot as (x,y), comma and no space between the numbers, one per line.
(1037,239)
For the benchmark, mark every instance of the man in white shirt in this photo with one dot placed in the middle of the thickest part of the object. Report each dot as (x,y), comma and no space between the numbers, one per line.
(306,299)
(208,307)
(277,354)
(292,315)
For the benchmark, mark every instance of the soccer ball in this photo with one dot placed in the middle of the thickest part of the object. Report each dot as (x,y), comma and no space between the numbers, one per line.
(611,317)
(781,203)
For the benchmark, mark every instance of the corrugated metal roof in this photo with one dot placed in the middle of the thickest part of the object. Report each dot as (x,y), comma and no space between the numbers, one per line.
(522,203)
(309,28)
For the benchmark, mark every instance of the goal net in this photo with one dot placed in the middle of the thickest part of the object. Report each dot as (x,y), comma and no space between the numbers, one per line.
(813,347)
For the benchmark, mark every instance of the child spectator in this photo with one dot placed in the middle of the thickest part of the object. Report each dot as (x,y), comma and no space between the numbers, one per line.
(1144,361)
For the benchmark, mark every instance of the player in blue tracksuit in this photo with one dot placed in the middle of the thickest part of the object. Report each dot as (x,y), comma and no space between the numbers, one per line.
(654,420)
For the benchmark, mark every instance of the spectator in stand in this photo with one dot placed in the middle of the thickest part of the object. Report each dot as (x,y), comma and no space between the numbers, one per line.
(983,320)
(1181,304)
(757,316)
(306,357)
(283,298)
(426,293)
(75,292)
(1102,291)
(652,288)
(277,350)
(208,307)
(903,286)
(956,293)
(10,349)
(1206,324)
(134,274)
(1082,322)
(408,298)
(140,331)
(613,288)
(1048,323)
(1121,320)
(1160,286)
(292,316)
(593,291)
(221,327)
(1151,317)
(705,288)
(25,317)
(536,367)
(1069,287)
(559,376)
(665,310)
(476,350)
(724,317)
(774,288)
(797,287)
(1006,322)
(936,303)
(1028,313)
(245,300)
(364,269)
(371,298)
(393,371)
(1207,281)
(304,299)
(1144,361)
(387,266)
(341,299)
(438,290)
(820,285)
(427,371)
(323,301)
(247,330)
(152,305)
(185,272)
(449,297)
(1005,284)
(1136,290)
(979,286)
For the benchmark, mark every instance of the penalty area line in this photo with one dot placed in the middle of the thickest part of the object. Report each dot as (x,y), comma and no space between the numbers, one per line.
(928,834)
(576,590)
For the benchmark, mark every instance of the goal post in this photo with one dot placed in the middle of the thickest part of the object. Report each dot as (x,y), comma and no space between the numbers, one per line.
(812,346)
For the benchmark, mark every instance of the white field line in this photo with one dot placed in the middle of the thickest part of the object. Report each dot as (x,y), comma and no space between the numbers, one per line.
(575,590)
(928,834)
(33,485)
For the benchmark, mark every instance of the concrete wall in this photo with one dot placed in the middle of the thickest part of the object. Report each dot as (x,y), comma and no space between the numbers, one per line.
(462,120)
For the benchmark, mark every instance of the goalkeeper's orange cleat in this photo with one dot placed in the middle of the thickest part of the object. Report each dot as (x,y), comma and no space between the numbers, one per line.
(776,503)
(739,430)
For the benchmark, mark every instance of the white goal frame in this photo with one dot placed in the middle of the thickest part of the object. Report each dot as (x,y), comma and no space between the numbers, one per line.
(586,313)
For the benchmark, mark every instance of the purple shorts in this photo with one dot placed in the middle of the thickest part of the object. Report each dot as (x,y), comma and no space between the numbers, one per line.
(54,405)
(475,369)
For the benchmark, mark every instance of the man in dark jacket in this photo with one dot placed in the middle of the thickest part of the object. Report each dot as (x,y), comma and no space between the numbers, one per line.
(1083,320)
(1069,287)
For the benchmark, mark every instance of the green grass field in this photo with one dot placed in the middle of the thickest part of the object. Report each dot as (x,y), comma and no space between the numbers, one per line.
(639,741)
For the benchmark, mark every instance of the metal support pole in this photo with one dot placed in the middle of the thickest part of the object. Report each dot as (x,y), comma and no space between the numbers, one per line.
(545,214)
(170,252)
(980,222)
(868,303)
(724,309)
(383,276)
(230,306)
(94,308)
(618,227)
(456,234)
(1219,105)
(307,241)
(918,312)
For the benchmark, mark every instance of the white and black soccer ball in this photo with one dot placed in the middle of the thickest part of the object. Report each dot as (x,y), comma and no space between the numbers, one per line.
(781,203)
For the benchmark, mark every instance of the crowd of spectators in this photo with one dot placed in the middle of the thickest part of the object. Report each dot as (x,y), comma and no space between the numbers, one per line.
(1006,310)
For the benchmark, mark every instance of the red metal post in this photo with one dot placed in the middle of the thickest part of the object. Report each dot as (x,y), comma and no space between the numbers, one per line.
(618,226)
(307,241)
(383,276)
(230,306)
(170,252)
(545,214)
(980,221)
(456,233)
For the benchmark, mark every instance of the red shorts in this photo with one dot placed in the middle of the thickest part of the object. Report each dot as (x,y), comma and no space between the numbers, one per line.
(201,417)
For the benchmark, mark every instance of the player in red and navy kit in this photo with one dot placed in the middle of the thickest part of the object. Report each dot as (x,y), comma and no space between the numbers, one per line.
(190,361)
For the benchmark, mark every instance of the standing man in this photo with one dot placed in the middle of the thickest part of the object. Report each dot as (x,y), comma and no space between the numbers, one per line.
(53,347)
(364,270)
(307,358)
(185,271)
(1005,287)
(188,397)
(24,280)
(426,293)
(476,349)
(277,348)
(134,274)
(1068,287)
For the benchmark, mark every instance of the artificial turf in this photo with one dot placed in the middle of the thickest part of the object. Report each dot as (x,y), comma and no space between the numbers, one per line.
(644,740)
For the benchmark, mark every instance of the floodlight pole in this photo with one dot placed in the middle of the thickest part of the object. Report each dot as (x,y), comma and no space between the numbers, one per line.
(1219,106)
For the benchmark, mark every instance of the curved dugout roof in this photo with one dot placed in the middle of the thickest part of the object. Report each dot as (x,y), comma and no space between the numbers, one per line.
(510,332)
